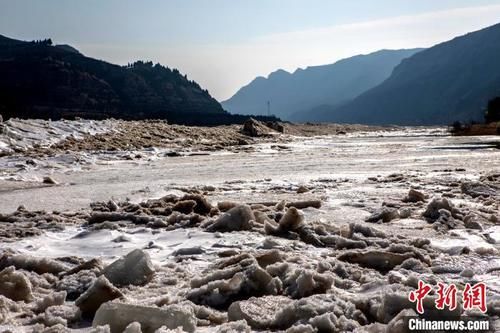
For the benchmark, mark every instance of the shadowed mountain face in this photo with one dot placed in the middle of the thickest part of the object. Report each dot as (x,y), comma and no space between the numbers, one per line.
(38,80)
(448,82)
(307,88)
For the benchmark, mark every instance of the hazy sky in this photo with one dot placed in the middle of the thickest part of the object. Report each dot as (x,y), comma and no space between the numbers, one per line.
(224,44)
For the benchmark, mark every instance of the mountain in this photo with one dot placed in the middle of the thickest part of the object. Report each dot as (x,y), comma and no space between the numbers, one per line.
(289,93)
(452,81)
(38,80)
(68,48)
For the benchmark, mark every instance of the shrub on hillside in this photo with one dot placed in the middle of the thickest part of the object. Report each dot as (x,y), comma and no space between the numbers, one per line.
(493,111)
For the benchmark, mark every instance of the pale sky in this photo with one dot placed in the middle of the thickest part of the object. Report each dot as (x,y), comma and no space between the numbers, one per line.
(224,44)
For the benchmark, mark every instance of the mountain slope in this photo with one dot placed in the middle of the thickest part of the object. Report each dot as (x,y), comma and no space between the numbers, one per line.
(448,82)
(38,80)
(307,88)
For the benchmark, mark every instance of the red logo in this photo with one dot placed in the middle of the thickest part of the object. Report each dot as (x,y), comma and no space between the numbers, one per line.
(419,295)
(447,296)
(473,297)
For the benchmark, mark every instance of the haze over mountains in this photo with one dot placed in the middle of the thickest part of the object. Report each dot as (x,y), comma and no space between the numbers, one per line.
(289,94)
(451,81)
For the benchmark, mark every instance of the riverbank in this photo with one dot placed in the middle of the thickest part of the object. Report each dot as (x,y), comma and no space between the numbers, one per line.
(477,130)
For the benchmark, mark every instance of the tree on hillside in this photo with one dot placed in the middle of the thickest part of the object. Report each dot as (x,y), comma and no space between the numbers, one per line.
(493,111)
(46,42)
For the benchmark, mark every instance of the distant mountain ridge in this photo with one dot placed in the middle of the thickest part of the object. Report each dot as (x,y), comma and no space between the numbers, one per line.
(38,80)
(291,93)
(451,81)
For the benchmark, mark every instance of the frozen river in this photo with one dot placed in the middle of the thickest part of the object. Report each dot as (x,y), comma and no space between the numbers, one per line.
(355,157)
(341,246)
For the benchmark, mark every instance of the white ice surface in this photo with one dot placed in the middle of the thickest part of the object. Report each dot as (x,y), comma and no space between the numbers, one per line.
(99,243)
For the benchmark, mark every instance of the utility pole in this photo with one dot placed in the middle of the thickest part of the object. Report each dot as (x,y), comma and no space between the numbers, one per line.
(268,108)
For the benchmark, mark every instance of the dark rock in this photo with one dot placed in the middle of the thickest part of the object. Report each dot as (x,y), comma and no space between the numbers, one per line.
(467,273)
(432,211)
(202,206)
(275,126)
(255,128)
(404,213)
(476,189)
(188,251)
(305,204)
(121,239)
(91,264)
(446,221)
(184,206)
(384,214)
(302,189)
(472,222)
(414,196)
(49,180)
